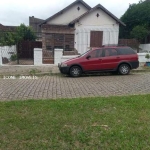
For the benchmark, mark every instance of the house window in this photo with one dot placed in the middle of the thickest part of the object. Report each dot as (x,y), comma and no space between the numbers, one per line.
(78,8)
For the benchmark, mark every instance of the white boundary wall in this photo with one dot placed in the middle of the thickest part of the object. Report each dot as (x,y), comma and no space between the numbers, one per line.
(0,57)
(58,53)
(142,57)
(145,47)
(60,58)
(7,51)
(38,56)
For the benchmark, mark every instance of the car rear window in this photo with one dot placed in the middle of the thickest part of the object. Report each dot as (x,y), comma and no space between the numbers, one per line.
(126,51)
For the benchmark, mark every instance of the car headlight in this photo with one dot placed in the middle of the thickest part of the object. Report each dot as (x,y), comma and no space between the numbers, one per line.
(63,65)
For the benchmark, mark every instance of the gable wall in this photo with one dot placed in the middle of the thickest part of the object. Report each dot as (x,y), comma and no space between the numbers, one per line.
(69,15)
(91,19)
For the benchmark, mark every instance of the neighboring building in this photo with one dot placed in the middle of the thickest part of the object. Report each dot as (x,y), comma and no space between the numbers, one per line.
(34,23)
(78,26)
(4,28)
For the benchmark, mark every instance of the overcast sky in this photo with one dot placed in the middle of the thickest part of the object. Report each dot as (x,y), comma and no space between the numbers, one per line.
(15,12)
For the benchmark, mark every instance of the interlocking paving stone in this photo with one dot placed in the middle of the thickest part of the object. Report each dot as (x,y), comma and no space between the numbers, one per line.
(53,87)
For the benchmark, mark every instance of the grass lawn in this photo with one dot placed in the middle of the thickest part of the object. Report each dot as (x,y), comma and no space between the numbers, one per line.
(114,123)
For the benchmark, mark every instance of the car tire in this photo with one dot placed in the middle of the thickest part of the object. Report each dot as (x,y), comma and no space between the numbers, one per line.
(75,71)
(124,69)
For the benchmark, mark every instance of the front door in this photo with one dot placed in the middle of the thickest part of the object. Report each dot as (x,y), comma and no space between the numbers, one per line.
(96,39)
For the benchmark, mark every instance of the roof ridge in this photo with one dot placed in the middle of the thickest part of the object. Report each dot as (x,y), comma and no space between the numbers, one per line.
(85,4)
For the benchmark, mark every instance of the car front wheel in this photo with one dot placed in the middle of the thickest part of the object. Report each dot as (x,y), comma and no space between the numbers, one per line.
(75,71)
(124,69)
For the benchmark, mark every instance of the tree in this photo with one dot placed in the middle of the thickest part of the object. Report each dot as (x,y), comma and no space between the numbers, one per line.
(139,33)
(7,39)
(22,33)
(136,15)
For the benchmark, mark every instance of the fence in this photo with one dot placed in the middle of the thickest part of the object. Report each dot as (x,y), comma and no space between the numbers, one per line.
(7,52)
(129,42)
(21,53)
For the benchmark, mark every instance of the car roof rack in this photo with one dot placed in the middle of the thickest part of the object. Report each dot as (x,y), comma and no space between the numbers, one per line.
(113,45)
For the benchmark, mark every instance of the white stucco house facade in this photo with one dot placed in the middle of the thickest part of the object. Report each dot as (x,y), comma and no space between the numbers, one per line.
(79,27)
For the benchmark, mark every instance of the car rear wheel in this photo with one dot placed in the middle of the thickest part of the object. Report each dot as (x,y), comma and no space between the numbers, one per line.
(124,69)
(75,71)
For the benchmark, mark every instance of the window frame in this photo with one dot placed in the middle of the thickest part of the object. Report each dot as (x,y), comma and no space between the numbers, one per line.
(110,49)
(124,48)
(96,54)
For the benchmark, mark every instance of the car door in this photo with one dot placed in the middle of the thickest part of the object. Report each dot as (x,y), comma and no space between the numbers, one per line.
(92,61)
(110,60)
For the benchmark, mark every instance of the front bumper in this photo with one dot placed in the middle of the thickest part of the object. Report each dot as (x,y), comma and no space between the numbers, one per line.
(64,70)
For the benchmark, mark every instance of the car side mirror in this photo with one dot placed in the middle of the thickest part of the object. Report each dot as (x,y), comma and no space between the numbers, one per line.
(88,57)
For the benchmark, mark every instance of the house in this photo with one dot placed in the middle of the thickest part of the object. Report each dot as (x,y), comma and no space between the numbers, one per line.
(4,28)
(79,27)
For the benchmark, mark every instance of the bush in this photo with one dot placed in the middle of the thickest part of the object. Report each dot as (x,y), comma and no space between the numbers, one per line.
(147,56)
(13,57)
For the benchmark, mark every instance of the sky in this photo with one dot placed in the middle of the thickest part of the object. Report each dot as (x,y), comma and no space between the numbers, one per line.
(15,12)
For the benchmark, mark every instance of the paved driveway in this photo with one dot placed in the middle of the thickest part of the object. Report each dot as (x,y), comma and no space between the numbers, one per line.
(52,87)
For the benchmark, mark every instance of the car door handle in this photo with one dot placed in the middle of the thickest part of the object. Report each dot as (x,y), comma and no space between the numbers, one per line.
(118,57)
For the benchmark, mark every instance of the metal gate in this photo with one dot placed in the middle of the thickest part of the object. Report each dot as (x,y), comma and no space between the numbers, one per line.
(54,41)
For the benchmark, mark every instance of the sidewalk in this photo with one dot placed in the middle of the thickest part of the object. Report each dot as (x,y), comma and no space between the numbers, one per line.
(28,70)
(43,70)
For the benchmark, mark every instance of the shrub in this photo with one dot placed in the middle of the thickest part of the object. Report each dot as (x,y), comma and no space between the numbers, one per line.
(13,57)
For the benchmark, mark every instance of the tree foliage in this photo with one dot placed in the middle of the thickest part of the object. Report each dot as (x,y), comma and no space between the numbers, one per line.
(22,33)
(139,32)
(136,17)
(7,38)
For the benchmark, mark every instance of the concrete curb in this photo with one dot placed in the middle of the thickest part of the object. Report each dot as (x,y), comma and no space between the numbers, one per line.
(58,74)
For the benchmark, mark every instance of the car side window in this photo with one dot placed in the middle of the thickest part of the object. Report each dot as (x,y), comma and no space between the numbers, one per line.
(126,51)
(96,53)
(110,52)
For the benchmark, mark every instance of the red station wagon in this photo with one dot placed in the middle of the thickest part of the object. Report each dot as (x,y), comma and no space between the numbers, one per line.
(119,59)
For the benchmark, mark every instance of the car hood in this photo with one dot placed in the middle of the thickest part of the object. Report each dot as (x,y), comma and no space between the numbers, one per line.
(72,59)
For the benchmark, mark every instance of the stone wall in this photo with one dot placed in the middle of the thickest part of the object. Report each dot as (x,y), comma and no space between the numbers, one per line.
(53,36)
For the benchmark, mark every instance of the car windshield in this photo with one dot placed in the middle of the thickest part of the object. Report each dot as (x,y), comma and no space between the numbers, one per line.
(84,53)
